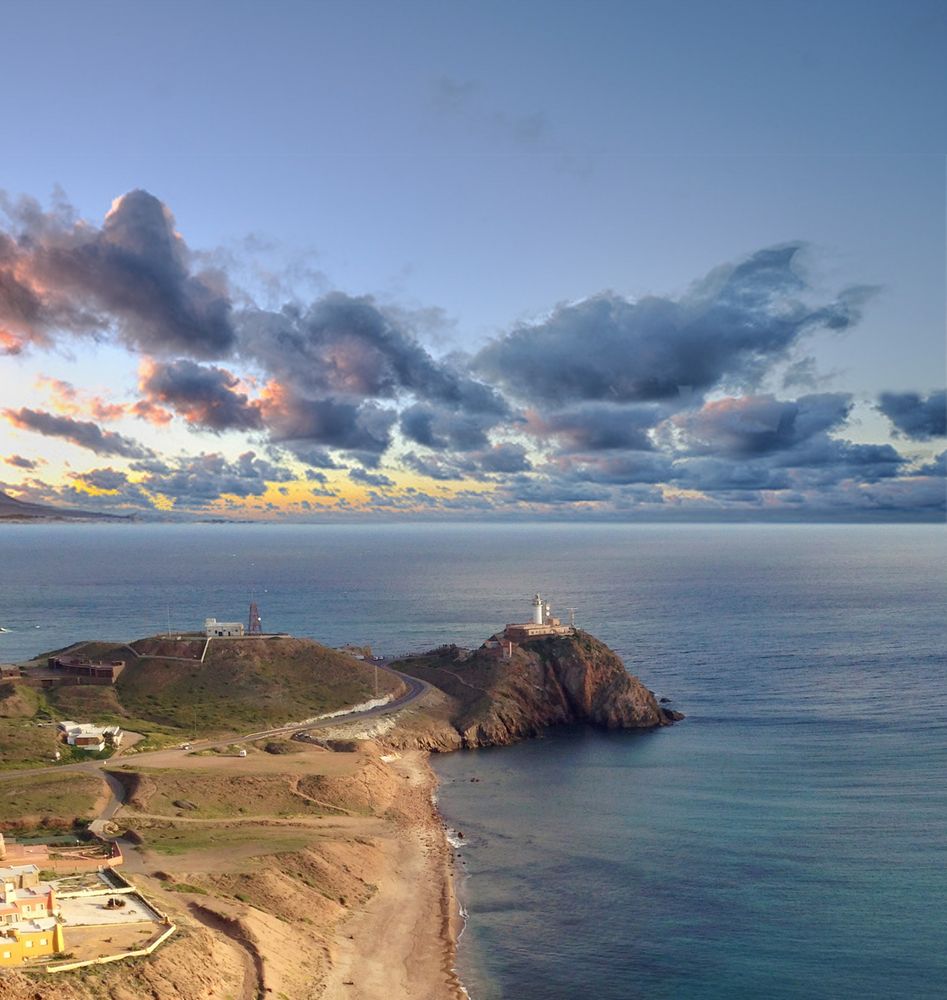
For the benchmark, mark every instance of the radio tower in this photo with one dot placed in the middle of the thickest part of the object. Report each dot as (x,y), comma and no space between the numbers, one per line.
(255,625)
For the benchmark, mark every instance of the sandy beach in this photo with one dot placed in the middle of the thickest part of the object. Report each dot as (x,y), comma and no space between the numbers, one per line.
(401,945)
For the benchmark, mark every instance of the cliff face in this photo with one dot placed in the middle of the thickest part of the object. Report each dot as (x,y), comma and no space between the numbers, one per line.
(549,681)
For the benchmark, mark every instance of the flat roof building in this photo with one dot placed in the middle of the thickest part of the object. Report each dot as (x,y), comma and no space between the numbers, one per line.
(214,629)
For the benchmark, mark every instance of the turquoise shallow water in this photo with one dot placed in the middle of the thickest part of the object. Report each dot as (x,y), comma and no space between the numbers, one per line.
(787,840)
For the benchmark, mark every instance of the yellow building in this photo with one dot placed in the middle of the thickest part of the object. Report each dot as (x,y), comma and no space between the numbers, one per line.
(30,939)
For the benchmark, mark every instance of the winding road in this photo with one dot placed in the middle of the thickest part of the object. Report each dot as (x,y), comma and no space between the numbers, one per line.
(415,689)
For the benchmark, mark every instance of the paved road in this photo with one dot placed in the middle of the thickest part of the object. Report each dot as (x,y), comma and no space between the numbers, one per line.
(415,689)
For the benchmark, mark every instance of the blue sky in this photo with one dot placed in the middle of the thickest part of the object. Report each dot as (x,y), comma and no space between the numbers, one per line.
(473,168)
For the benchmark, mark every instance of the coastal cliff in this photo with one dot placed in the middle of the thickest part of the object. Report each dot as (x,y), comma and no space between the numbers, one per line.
(548,681)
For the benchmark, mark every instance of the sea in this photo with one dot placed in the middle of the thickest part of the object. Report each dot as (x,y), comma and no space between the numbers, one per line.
(788,839)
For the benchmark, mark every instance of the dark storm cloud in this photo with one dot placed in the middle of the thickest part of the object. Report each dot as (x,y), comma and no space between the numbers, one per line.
(598,427)
(748,426)
(346,346)
(206,396)
(729,329)
(504,458)
(914,416)
(83,433)
(636,467)
(194,481)
(440,428)
(489,463)
(298,423)
(133,274)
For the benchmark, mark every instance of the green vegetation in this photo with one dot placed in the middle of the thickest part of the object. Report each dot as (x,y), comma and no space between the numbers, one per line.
(184,887)
(24,744)
(221,839)
(55,801)
(245,684)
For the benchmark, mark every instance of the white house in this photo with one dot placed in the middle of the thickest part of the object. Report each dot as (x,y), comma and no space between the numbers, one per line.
(222,630)
(85,736)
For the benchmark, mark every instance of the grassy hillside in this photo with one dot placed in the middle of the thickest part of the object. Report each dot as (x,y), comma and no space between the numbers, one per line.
(242,684)
(49,801)
(166,693)
(247,683)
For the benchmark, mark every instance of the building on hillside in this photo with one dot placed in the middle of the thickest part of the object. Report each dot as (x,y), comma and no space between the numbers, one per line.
(86,736)
(24,896)
(29,927)
(86,671)
(541,623)
(9,670)
(214,629)
(30,939)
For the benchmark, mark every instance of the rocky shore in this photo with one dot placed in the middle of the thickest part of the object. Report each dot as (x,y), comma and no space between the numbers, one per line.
(324,871)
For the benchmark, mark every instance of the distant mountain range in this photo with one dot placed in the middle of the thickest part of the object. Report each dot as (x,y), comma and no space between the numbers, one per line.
(11,509)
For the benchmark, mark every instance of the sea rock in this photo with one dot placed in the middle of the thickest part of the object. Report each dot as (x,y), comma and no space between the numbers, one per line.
(548,681)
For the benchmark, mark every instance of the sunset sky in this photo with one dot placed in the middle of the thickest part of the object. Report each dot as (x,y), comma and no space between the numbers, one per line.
(309,260)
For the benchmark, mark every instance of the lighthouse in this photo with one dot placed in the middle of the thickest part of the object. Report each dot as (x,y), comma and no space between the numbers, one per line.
(538,610)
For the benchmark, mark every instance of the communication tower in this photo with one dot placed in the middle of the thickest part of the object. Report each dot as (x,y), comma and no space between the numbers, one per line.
(255,625)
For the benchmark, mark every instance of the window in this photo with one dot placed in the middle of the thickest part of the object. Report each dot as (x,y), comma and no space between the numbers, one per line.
(7,954)
(42,941)
(29,944)
(27,908)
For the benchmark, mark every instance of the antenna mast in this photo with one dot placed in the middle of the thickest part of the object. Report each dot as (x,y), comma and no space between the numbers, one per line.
(255,623)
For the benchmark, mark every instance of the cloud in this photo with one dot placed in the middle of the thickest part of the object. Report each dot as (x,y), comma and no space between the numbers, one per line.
(728,329)
(195,481)
(914,416)
(343,346)
(440,428)
(66,399)
(133,275)
(364,478)
(597,427)
(504,458)
(207,397)
(83,433)
(758,425)
(298,423)
(20,462)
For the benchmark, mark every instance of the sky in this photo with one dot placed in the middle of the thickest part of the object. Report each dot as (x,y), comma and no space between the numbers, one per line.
(475,260)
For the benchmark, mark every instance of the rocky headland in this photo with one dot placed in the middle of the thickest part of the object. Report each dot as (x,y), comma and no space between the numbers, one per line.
(494,700)
(315,868)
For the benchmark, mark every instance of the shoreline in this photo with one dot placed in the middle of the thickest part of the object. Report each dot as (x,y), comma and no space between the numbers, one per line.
(402,943)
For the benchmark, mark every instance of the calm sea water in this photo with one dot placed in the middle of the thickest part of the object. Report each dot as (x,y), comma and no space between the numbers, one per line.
(786,841)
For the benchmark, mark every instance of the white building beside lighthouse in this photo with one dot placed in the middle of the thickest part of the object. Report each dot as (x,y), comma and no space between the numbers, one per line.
(541,623)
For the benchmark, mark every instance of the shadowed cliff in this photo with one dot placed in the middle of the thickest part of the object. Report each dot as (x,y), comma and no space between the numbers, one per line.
(549,681)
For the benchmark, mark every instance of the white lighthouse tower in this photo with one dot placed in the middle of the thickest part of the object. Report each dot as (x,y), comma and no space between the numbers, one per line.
(538,610)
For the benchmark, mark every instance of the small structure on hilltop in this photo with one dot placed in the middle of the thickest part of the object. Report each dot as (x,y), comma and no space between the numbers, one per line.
(542,623)
(85,736)
(85,671)
(214,629)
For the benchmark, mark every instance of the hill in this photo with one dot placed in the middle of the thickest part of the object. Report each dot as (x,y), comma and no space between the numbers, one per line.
(17,510)
(243,684)
(549,681)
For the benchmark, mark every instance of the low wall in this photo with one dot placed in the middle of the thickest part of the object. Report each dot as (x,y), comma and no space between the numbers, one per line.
(105,959)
